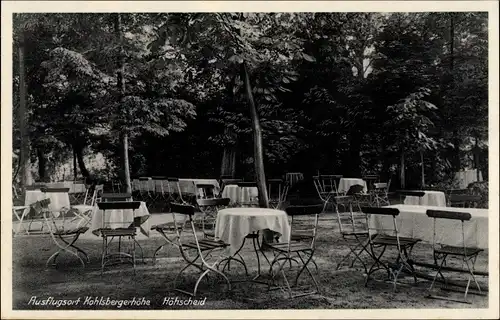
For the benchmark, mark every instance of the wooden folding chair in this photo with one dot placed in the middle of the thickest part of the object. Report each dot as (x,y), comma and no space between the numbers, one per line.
(380,194)
(209,209)
(468,255)
(227,180)
(381,241)
(174,190)
(289,251)
(201,247)
(409,193)
(354,234)
(128,230)
(277,190)
(205,191)
(112,197)
(64,235)
(371,179)
(464,200)
(327,187)
(91,199)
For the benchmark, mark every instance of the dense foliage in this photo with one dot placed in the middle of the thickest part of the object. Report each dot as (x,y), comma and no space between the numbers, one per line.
(349,93)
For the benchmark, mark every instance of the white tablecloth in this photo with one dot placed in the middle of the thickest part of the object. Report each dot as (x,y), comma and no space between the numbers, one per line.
(346,183)
(239,195)
(430,198)
(234,224)
(119,219)
(73,187)
(414,222)
(187,186)
(58,200)
(463,178)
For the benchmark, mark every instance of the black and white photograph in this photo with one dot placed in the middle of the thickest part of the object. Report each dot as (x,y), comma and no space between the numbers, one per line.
(246,158)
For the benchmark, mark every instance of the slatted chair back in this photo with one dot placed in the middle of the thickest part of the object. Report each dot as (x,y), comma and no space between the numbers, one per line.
(303,228)
(209,208)
(346,218)
(373,230)
(277,191)
(39,207)
(205,191)
(371,179)
(175,191)
(183,213)
(464,200)
(326,185)
(158,183)
(147,186)
(380,193)
(112,197)
(119,205)
(96,196)
(229,181)
(409,193)
(247,184)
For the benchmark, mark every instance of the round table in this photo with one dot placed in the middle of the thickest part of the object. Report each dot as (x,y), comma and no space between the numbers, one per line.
(58,200)
(234,224)
(346,183)
(121,219)
(430,198)
(240,195)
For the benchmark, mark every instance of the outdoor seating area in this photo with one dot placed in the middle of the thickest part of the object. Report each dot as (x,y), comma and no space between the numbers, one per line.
(251,161)
(209,241)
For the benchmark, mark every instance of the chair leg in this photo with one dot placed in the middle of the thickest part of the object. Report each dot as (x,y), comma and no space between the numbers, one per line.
(305,267)
(377,264)
(64,247)
(72,245)
(241,261)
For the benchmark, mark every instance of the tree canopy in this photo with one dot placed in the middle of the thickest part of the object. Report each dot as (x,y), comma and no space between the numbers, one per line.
(350,93)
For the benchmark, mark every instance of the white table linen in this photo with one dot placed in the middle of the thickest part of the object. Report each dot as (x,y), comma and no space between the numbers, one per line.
(465,177)
(186,185)
(413,221)
(120,219)
(239,195)
(346,183)
(430,198)
(58,200)
(234,224)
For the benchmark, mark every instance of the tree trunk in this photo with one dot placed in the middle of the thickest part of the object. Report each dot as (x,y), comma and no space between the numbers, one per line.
(79,157)
(452,38)
(228,167)
(268,235)
(457,162)
(423,169)
(477,158)
(75,170)
(24,152)
(257,141)
(121,88)
(42,165)
(402,170)
(126,171)
(354,160)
